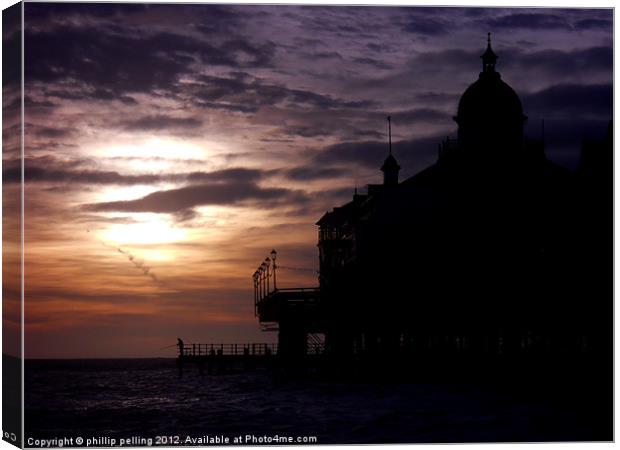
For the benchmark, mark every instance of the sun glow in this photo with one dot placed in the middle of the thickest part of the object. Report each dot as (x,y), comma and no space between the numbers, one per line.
(154,231)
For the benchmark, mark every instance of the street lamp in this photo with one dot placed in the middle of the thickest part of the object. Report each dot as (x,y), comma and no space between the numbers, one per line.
(256,284)
(273,258)
(267,262)
(263,269)
(255,279)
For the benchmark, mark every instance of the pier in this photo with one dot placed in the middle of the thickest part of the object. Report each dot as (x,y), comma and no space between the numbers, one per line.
(232,357)
(226,358)
(190,352)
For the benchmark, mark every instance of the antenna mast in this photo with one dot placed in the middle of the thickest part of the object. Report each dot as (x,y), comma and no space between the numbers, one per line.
(389,119)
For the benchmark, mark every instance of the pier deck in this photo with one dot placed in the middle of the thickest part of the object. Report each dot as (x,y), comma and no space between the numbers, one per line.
(232,356)
(191,352)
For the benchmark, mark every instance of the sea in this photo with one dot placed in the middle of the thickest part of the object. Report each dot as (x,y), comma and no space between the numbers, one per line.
(137,402)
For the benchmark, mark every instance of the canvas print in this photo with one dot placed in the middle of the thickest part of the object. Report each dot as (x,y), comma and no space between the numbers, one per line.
(231,224)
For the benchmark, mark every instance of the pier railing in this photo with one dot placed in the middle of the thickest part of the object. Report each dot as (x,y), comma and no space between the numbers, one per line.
(251,349)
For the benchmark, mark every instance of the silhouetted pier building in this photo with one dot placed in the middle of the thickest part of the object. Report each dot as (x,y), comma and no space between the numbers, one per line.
(492,251)
(294,313)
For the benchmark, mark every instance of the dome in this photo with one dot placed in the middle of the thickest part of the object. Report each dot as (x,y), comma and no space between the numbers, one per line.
(489,98)
(490,114)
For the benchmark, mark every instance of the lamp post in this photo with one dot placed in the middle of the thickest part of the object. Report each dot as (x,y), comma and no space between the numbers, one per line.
(256,275)
(273,258)
(264,278)
(267,262)
(255,279)
(259,279)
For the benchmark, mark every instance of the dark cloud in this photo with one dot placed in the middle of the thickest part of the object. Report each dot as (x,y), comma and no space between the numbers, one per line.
(50,132)
(98,219)
(576,19)
(186,215)
(333,21)
(50,175)
(594,24)
(307,131)
(322,101)
(105,94)
(558,62)
(376,63)
(230,107)
(529,21)
(322,201)
(366,134)
(310,173)
(30,102)
(218,19)
(420,115)
(69,94)
(425,26)
(245,93)
(436,97)
(116,62)
(525,43)
(240,175)
(175,201)
(47,12)
(311,42)
(213,88)
(476,12)
(454,60)
(48,170)
(379,47)
(428,11)
(325,55)
(161,122)
(11,45)
(108,64)
(79,92)
(570,100)
(371,154)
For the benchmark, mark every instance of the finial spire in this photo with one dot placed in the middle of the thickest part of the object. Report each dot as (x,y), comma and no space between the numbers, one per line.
(489,58)
(389,119)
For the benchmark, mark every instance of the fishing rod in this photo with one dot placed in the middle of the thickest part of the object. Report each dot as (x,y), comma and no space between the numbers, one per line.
(177,344)
(163,348)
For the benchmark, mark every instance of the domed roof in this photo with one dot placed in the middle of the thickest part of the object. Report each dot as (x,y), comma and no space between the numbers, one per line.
(489,97)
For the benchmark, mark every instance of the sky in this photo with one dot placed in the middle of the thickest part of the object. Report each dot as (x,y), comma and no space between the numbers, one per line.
(169,148)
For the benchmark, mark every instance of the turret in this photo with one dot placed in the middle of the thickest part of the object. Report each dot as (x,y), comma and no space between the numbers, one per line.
(489,58)
(390,167)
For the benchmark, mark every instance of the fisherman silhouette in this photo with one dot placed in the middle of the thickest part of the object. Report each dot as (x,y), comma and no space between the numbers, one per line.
(180,344)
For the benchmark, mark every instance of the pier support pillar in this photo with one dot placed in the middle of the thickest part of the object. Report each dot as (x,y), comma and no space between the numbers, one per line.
(292,339)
